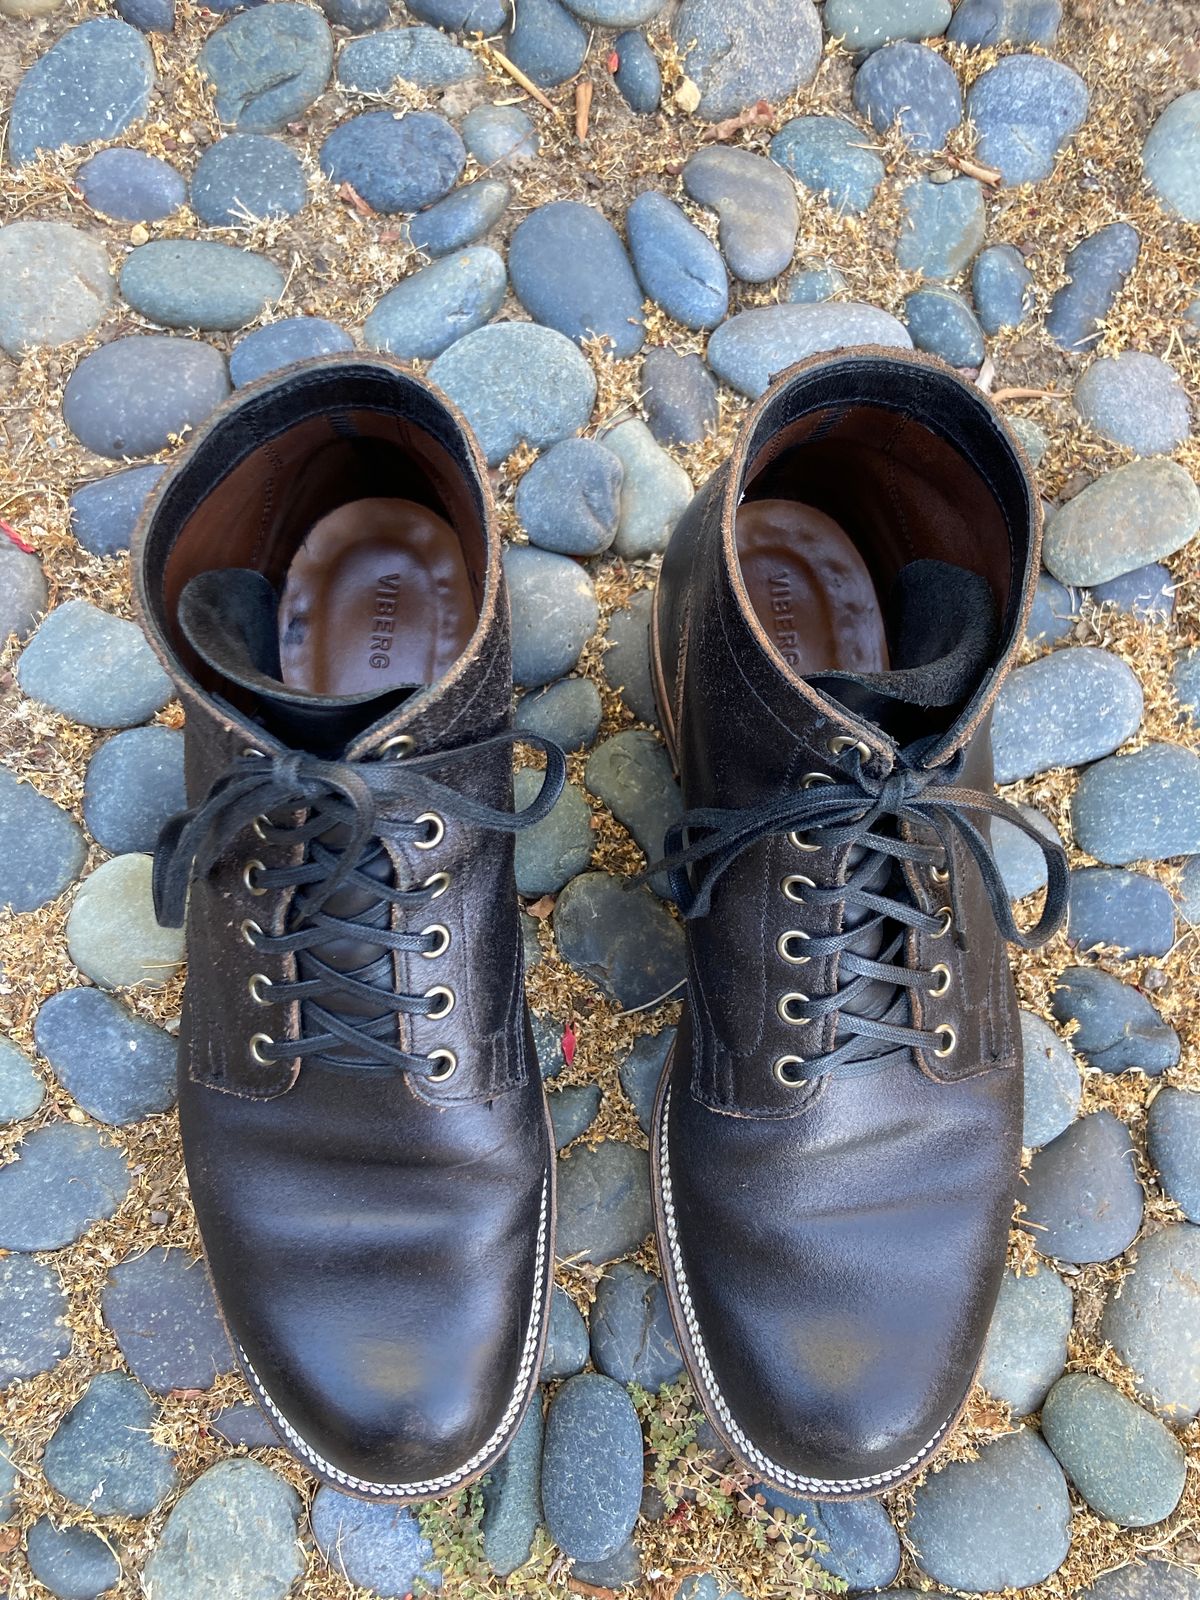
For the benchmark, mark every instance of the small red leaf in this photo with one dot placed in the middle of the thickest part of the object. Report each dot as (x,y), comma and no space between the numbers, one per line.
(11,533)
(614,61)
(569,1041)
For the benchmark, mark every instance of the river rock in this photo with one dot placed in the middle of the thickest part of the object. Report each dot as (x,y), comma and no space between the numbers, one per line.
(591,1467)
(1173,1145)
(113,936)
(94,668)
(42,850)
(570,499)
(199,283)
(546,42)
(1123,1461)
(373,1545)
(570,271)
(1097,268)
(942,227)
(427,311)
(911,85)
(105,513)
(1063,710)
(1026,1347)
(1152,1323)
(1000,284)
(232,1531)
(57,285)
(752,346)
(983,23)
(941,322)
(1144,806)
(62,1177)
(34,1335)
(1128,516)
(21,1090)
(865,25)
(638,76)
(1117,1028)
(763,50)
(377,62)
(758,216)
(555,850)
(679,267)
(568,712)
(118,1067)
(500,136)
(1083,1201)
(655,490)
(160,1308)
(92,84)
(1024,109)
(463,216)
(23,591)
(1136,400)
(1052,1086)
(1126,911)
(267,65)
(554,613)
(131,397)
(680,397)
(102,1457)
(512,1498)
(620,937)
(394,163)
(1171,157)
(247,176)
(830,156)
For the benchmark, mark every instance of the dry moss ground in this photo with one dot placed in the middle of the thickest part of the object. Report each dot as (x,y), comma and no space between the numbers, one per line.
(1136,56)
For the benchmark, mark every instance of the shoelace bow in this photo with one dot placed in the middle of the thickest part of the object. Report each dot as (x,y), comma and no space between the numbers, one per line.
(339,836)
(848,813)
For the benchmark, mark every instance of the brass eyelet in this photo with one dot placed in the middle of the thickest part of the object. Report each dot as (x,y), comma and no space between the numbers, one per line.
(943,971)
(249,753)
(946,1032)
(786,1008)
(789,889)
(440,992)
(437,830)
(449,1068)
(799,842)
(843,743)
(783,946)
(939,874)
(256,983)
(250,867)
(787,1072)
(443,944)
(260,824)
(257,1040)
(248,929)
(810,779)
(398,746)
(437,885)
(947,917)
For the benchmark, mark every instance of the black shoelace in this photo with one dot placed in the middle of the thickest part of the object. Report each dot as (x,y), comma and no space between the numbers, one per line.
(868,814)
(336,831)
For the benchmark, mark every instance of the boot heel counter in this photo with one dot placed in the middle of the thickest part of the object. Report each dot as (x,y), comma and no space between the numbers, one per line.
(688,557)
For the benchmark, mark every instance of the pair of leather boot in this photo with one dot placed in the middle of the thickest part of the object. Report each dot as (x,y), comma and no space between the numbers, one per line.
(836,1140)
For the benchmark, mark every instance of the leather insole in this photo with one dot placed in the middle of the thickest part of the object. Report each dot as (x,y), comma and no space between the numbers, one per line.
(810,589)
(377,597)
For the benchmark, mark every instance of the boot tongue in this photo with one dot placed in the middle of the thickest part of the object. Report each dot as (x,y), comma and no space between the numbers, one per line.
(943,628)
(230,617)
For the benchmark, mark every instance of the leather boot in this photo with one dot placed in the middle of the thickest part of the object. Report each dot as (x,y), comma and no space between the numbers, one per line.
(837,1137)
(362,1114)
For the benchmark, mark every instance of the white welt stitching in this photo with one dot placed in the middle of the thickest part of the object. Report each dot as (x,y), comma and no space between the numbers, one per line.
(795,1480)
(431,1486)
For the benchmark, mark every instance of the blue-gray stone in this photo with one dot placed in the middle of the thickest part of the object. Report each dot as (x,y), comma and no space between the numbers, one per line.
(1026,1348)
(113,934)
(626,662)
(101,1455)
(680,397)
(567,1346)
(942,227)
(617,1571)
(1144,806)
(1052,1083)
(1020,859)
(568,712)
(1000,285)
(830,156)
(512,1497)
(1136,400)
(752,346)
(23,590)
(356,15)
(436,305)
(1125,518)
(603,1203)
(1152,1323)
(620,937)
(500,135)
(941,322)
(1147,592)
(245,1427)
(118,1067)
(269,349)
(21,1090)
(570,499)
(546,42)
(233,1531)
(463,16)
(129,398)
(1000,1521)
(62,1178)
(655,490)
(1032,438)
(912,86)
(373,1545)
(572,1111)
(1024,109)
(395,163)
(983,23)
(73,1563)
(737,55)
(1118,1028)
(758,215)
(1188,891)
(247,176)
(8,1480)
(1122,1460)
(547,1041)
(517,383)
(631,774)
(151,16)
(1150,1580)
(94,668)
(531,948)
(34,1335)
(105,513)
(1173,1145)
(199,283)
(1063,710)
(374,63)
(633,1340)
(92,84)
(591,1467)
(41,847)
(268,65)
(1096,271)
(679,267)
(554,613)
(812,284)
(466,214)
(160,1308)
(1083,1201)
(1053,613)
(57,285)
(638,76)
(641,1070)
(549,854)
(130,185)
(1171,157)
(1125,910)
(616,13)
(570,271)
(863,1547)
(865,25)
